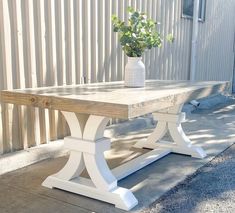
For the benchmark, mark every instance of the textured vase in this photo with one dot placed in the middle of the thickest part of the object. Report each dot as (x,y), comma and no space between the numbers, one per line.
(134,72)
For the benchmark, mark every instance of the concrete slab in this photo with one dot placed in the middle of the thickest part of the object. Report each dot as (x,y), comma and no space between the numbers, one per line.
(213,129)
(12,161)
(16,200)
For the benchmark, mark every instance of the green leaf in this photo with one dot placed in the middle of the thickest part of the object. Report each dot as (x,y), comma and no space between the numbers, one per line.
(139,34)
(115,29)
(130,9)
(114,18)
(170,38)
(125,29)
(135,15)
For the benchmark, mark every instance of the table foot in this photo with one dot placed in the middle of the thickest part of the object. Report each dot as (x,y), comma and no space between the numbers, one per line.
(122,198)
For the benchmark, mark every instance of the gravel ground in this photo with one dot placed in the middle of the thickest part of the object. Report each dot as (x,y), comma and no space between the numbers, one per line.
(210,189)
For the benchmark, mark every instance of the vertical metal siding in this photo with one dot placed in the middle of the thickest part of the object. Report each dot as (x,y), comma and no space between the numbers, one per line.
(58,42)
(215,43)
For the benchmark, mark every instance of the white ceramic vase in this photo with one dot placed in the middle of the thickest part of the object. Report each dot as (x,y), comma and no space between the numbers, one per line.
(135,72)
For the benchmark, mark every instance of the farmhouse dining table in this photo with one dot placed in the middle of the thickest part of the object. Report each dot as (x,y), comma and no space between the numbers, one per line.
(87,110)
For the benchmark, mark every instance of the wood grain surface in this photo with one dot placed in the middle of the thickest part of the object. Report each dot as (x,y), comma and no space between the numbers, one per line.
(113,99)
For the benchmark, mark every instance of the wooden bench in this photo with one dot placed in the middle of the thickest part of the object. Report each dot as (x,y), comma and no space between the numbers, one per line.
(87,110)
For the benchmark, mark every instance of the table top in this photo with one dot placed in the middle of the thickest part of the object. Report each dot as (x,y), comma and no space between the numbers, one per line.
(113,99)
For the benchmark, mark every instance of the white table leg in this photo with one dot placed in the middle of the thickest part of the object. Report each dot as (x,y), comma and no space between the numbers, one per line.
(87,146)
(170,120)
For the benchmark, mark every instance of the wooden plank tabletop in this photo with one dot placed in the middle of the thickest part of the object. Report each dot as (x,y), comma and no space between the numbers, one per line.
(113,99)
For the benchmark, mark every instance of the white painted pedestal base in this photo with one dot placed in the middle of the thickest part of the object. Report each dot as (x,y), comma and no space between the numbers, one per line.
(87,146)
(170,120)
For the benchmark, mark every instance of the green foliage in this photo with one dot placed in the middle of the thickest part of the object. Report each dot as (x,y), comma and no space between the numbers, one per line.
(139,34)
(170,38)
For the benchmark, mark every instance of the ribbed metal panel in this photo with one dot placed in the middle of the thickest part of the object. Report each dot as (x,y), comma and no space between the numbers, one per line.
(215,43)
(58,42)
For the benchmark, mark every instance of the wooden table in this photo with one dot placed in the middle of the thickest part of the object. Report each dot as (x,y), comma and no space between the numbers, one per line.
(87,110)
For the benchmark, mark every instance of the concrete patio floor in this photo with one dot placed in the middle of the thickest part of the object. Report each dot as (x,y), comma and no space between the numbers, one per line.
(213,129)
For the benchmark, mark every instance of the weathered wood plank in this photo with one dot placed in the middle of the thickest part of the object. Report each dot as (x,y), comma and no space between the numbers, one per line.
(113,99)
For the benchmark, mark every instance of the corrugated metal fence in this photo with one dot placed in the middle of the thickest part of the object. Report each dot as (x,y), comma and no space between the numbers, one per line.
(58,42)
(216,41)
